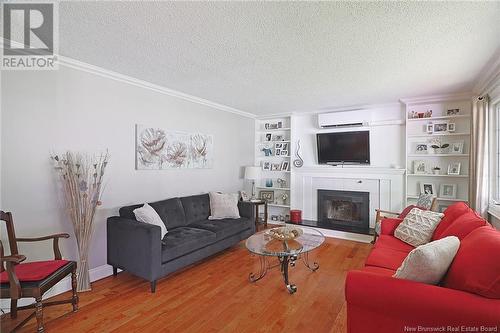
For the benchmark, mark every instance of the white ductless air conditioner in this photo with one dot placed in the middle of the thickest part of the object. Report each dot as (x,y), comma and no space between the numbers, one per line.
(353,118)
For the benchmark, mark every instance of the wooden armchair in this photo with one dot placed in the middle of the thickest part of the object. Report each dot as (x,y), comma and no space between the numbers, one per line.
(26,280)
(382,214)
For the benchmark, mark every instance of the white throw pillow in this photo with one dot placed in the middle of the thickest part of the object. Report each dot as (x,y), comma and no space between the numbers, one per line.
(148,214)
(224,206)
(418,226)
(429,263)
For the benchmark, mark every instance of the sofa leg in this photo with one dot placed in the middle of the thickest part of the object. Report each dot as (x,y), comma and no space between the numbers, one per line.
(153,286)
(115,271)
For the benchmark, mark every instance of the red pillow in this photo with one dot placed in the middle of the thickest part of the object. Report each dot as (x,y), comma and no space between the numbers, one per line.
(450,215)
(407,210)
(476,268)
(464,224)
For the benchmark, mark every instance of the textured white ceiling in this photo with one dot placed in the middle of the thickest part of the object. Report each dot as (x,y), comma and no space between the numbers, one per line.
(274,57)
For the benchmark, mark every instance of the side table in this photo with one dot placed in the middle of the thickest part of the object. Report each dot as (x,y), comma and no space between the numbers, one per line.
(257,205)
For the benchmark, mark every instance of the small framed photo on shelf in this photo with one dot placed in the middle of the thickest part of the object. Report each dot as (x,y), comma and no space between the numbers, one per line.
(280,124)
(442,208)
(284,166)
(278,137)
(277,151)
(440,128)
(274,217)
(448,191)
(452,112)
(268,136)
(420,167)
(427,188)
(457,147)
(421,148)
(429,128)
(266,166)
(275,166)
(454,169)
(451,127)
(284,153)
(267,196)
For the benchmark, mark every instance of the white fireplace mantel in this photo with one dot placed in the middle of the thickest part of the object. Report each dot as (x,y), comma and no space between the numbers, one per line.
(385,186)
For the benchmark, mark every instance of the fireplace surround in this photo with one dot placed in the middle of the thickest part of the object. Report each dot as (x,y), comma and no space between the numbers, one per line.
(344,210)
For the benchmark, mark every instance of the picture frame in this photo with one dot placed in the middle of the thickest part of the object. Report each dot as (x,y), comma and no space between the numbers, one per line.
(442,208)
(452,112)
(269,137)
(244,196)
(448,191)
(421,148)
(451,127)
(266,166)
(277,152)
(278,145)
(273,126)
(267,196)
(457,147)
(420,167)
(280,124)
(284,153)
(275,166)
(274,217)
(278,137)
(427,188)
(266,126)
(429,128)
(454,168)
(285,165)
(440,127)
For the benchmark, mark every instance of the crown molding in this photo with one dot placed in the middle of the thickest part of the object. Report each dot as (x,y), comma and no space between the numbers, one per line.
(96,70)
(489,77)
(437,98)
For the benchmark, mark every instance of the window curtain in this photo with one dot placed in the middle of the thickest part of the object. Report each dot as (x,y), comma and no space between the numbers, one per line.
(479,157)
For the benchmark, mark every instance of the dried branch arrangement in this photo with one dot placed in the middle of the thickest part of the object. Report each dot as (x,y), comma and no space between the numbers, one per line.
(82,181)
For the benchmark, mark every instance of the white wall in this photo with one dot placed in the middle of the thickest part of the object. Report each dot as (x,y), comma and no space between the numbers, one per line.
(387,142)
(45,111)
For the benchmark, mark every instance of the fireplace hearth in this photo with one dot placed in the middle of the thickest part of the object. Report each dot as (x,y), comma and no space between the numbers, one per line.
(344,210)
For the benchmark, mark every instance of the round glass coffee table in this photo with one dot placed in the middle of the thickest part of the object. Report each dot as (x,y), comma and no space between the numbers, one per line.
(287,252)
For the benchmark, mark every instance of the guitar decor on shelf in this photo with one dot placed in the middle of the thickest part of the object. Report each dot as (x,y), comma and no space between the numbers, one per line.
(298,162)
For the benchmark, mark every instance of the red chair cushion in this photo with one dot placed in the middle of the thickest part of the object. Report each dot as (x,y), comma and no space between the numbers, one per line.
(407,210)
(389,225)
(476,267)
(386,258)
(378,270)
(391,242)
(34,271)
(450,215)
(463,225)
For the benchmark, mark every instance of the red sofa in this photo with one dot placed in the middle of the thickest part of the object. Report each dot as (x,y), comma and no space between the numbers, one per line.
(468,296)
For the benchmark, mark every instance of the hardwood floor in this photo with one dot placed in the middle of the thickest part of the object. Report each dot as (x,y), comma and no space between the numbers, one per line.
(216,296)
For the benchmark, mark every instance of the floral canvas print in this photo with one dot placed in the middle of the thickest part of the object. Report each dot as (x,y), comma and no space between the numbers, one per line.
(158,149)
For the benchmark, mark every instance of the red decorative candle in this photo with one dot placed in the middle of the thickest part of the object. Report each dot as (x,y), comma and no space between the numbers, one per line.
(295,216)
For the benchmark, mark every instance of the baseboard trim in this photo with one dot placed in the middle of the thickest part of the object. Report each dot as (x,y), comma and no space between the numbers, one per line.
(64,285)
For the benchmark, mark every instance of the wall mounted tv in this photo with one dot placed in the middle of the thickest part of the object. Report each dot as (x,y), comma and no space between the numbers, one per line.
(344,148)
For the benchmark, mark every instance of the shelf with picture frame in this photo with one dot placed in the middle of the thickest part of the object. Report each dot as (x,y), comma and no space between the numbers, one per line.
(438,147)
(273,151)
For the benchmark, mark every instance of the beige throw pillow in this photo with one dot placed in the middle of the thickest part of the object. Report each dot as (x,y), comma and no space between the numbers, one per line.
(418,226)
(148,214)
(429,263)
(223,206)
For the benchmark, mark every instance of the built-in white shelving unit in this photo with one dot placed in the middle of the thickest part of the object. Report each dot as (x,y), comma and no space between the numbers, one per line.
(273,148)
(442,128)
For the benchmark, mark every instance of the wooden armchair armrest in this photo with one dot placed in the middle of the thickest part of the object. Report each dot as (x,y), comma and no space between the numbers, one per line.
(55,238)
(382,213)
(386,212)
(14,285)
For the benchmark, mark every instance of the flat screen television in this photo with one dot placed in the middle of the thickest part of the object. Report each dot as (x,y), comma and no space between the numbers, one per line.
(344,148)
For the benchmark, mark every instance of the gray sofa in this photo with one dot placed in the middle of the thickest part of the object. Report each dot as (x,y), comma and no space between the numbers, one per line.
(137,248)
